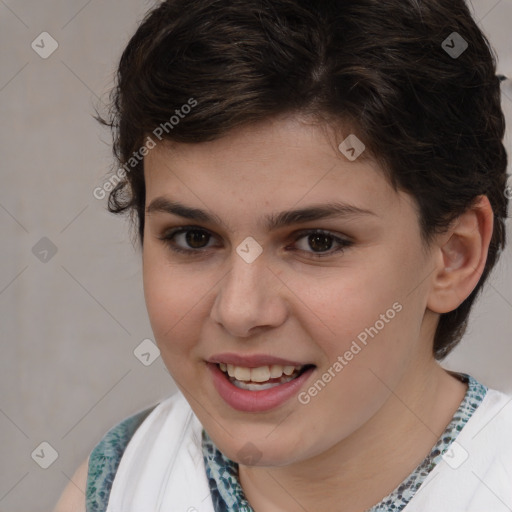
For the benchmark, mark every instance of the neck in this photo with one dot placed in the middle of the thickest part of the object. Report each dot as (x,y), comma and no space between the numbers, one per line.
(383,452)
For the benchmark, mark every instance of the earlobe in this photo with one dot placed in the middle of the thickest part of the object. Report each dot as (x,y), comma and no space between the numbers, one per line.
(461,257)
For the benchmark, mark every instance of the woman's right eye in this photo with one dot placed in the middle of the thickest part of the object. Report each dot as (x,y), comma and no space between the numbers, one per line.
(191,236)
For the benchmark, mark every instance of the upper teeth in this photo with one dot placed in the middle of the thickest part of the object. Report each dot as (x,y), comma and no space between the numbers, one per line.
(260,374)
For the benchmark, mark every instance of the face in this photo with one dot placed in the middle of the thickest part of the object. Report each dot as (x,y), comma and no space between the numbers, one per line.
(344,293)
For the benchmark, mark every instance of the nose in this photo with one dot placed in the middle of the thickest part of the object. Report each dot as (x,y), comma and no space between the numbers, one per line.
(250,298)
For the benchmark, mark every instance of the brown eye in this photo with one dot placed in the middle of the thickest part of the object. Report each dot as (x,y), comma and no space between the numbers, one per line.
(318,243)
(196,238)
(187,240)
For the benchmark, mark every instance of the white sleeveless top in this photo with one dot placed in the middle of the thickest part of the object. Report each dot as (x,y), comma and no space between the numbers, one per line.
(162,468)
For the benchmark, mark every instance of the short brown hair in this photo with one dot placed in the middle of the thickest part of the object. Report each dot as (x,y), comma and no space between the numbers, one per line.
(433,120)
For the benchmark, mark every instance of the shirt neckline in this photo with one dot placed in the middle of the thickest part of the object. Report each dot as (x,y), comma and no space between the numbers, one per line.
(227,493)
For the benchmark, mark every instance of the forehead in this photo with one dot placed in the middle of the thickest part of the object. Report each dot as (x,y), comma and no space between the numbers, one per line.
(286,137)
(268,166)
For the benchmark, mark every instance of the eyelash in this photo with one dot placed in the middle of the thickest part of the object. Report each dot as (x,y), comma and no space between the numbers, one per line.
(168,240)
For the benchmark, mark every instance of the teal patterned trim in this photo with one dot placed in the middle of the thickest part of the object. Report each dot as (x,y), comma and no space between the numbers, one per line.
(227,493)
(400,497)
(222,473)
(105,458)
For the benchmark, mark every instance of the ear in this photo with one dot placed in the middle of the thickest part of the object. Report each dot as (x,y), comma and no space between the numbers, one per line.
(461,254)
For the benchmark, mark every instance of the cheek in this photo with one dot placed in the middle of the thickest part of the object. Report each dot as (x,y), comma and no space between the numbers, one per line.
(344,303)
(172,298)
(364,314)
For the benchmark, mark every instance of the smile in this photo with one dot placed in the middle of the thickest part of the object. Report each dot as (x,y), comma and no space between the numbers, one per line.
(261,388)
(262,377)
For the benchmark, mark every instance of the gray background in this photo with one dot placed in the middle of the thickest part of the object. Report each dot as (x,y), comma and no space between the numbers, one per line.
(69,325)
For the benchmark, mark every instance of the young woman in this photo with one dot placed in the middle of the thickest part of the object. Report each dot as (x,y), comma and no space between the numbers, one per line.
(319,190)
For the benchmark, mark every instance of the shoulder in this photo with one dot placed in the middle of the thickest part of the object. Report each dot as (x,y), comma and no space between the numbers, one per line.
(486,435)
(105,458)
(495,410)
(73,496)
(493,423)
(473,473)
(90,485)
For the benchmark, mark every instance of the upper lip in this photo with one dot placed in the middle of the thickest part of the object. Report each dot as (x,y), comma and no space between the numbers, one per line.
(252,361)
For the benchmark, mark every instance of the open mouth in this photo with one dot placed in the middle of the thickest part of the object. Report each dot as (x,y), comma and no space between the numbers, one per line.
(263,377)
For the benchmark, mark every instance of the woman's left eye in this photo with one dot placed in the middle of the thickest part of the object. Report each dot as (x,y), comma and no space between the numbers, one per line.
(196,239)
(322,241)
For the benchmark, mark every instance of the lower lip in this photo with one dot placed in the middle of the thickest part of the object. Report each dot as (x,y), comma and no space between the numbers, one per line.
(255,401)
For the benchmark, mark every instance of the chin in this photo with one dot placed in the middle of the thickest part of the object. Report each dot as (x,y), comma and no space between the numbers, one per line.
(260,453)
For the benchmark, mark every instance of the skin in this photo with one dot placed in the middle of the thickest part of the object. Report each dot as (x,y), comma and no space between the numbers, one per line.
(378,417)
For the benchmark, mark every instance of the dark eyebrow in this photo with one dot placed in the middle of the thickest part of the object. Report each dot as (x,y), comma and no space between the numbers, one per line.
(272,221)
